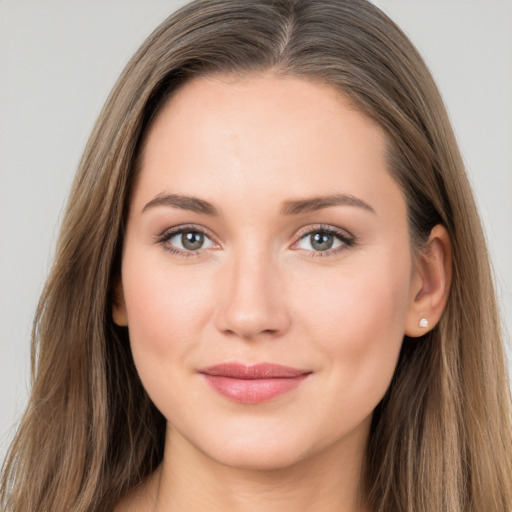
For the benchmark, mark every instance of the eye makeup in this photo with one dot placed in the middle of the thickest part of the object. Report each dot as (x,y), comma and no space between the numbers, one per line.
(192,240)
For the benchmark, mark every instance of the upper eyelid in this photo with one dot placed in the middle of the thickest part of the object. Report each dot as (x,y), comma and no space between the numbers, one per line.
(168,232)
(306,230)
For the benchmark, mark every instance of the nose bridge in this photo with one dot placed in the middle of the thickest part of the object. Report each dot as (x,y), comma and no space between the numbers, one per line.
(252,301)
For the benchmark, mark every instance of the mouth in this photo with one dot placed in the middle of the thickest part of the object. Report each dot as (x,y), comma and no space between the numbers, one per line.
(252,384)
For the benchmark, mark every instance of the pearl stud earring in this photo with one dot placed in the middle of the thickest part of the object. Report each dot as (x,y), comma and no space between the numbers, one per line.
(423,323)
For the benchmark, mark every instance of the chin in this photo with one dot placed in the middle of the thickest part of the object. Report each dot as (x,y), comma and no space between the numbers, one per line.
(260,448)
(258,458)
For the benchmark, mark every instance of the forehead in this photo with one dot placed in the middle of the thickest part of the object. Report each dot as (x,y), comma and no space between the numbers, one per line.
(262,135)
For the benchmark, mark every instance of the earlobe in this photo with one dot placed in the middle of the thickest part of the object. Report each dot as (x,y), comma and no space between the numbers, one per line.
(431,283)
(119,314)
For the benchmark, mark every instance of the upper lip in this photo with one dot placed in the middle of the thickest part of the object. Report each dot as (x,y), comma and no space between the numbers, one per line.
(254,371)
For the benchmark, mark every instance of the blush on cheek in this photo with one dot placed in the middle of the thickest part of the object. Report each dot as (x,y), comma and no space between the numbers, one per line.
(163,303)
(361,327)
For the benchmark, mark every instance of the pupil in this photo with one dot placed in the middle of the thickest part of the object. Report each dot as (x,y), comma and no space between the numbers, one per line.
(192,240)
(321,241)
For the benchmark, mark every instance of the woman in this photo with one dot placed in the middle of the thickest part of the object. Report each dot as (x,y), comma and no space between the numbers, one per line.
(271,288)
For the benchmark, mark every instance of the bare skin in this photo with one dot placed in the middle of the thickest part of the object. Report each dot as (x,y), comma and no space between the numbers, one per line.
(231,256)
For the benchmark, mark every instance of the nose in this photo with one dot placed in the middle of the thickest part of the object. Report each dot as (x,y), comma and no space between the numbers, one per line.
(252,301)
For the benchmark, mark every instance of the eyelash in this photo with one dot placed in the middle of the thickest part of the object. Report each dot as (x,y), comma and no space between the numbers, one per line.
(347,240)
(165,237)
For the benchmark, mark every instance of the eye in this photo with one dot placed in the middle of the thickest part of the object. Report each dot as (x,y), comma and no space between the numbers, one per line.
(324,240)
(186,239)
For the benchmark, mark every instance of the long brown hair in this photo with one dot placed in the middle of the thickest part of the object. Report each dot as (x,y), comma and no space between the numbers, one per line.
(441,439)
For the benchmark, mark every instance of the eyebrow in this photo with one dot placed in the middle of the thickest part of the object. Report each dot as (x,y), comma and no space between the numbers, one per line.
(318,203)
(293,207)
(192,204)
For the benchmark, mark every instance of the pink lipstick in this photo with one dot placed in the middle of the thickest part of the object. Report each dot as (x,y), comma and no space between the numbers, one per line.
(252,384)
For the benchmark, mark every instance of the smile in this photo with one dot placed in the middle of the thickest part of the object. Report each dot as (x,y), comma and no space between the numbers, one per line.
(252,384)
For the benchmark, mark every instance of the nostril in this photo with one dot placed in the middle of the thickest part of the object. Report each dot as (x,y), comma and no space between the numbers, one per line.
(250,299)
(250,320)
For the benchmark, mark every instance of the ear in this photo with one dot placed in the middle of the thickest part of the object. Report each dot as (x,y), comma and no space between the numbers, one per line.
(119,314)
(430,283)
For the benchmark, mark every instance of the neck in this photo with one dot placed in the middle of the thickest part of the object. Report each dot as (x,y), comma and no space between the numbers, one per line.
(189,480)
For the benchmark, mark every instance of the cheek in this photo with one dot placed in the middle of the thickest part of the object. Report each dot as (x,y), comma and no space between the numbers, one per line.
(368,293)
(357,317)
(167,308)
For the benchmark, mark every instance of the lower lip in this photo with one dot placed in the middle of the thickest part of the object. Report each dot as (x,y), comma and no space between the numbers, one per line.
(253,391)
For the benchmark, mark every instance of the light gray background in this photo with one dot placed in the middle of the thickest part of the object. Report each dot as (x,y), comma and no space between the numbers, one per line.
(59,59)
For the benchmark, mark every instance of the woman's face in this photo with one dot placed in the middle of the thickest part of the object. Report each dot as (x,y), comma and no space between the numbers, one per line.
(267,273)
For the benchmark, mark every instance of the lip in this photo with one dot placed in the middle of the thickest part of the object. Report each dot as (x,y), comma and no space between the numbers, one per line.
(252,384)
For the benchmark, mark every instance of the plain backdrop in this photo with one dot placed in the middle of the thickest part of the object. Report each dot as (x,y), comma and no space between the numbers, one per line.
(60,58)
